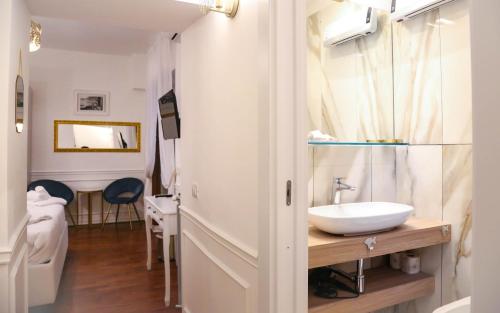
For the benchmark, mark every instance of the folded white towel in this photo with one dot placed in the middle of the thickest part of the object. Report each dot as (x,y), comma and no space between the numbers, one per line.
(317,135)
(38,219)
(38,194)
(50,201)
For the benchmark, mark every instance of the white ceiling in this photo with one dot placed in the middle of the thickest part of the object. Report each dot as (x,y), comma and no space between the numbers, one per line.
(96,38)
(154,15)
(109,26)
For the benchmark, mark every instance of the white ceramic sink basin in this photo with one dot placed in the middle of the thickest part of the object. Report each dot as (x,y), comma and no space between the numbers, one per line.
(359,218)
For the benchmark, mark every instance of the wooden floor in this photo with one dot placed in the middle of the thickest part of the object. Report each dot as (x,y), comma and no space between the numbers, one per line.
(105,272)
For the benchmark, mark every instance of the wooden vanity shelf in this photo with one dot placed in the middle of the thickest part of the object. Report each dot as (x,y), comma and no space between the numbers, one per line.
(326,249)
(384,286)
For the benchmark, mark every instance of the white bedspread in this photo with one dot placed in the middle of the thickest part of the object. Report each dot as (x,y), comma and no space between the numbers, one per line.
(43,236)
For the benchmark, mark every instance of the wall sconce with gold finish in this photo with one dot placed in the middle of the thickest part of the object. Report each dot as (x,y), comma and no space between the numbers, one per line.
(228,7)
(35,36)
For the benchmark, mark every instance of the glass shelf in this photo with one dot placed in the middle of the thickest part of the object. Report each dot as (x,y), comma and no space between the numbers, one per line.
(367,144)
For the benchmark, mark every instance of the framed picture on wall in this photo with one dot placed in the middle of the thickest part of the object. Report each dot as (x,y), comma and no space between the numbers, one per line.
(91,102)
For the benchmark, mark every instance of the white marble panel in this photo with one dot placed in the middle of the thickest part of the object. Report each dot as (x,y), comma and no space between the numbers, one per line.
(350,86)
(310,184)
(353,163)
(456,72)
(338,64)
(384,174)
(457,210)
(417,80)
(374,85)
(419,183)
(315,79)
(419,179)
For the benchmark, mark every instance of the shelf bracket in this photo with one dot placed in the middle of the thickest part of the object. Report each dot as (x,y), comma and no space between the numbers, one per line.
(445,230)
(370,243)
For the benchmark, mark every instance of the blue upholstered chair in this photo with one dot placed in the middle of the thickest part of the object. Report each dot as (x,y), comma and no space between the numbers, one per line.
(55,189)
(125,191)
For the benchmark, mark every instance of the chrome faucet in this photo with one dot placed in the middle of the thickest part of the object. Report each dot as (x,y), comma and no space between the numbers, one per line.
(338,187)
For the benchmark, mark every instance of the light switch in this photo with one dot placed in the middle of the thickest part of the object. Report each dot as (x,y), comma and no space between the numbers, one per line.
(194,191)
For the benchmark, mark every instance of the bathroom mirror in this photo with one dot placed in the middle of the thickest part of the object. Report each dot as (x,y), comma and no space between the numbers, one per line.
(350,85)
(96,136)
(19,104)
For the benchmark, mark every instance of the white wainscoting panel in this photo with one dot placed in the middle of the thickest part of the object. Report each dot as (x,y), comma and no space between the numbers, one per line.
(248,254)
(18,282)
(93,179)
(14,272)
(217,276)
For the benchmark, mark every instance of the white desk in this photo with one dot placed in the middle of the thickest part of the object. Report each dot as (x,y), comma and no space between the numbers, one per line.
(164,212)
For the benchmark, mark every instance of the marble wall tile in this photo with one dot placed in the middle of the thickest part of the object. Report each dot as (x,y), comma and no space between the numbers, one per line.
(384,174)
(310,184)
(417,80)
(419,183)
(353,163)
(456,73)
(457,210)
(374,84)
(419,179)
(331,111)
(350,86)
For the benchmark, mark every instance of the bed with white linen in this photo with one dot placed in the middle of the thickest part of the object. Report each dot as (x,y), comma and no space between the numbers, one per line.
(48,243)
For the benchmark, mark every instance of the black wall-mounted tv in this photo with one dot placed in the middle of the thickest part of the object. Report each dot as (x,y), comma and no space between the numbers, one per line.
(170,121)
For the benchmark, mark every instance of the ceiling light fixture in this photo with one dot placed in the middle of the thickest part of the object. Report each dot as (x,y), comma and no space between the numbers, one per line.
(35,36)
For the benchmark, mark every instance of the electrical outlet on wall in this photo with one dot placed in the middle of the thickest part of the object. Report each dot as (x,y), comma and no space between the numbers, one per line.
(194,190)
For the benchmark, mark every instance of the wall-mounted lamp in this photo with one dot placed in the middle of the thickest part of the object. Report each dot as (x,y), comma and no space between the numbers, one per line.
(35,36)
(228,7)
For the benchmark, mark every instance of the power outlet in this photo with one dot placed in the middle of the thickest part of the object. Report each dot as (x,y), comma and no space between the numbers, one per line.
(194,191)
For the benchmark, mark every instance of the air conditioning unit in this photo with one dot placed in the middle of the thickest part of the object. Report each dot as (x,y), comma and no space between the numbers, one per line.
(406,9)
(355,25)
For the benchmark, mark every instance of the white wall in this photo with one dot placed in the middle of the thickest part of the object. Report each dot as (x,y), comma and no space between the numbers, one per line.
(56,74)
(486,113)
(220,154)
(14,27)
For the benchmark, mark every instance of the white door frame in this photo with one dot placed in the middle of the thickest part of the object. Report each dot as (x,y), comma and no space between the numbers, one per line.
(283,248)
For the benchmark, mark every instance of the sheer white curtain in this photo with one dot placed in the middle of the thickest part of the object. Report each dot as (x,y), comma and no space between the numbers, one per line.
(161,62)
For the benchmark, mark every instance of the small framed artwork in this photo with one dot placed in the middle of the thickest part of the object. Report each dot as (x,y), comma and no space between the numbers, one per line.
(89,102)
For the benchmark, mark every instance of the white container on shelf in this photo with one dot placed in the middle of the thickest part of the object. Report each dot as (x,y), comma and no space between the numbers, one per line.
(395,260)
(410,263)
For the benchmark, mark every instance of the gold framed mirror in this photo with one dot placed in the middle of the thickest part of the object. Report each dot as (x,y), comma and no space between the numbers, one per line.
(19,104)
(96,136)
